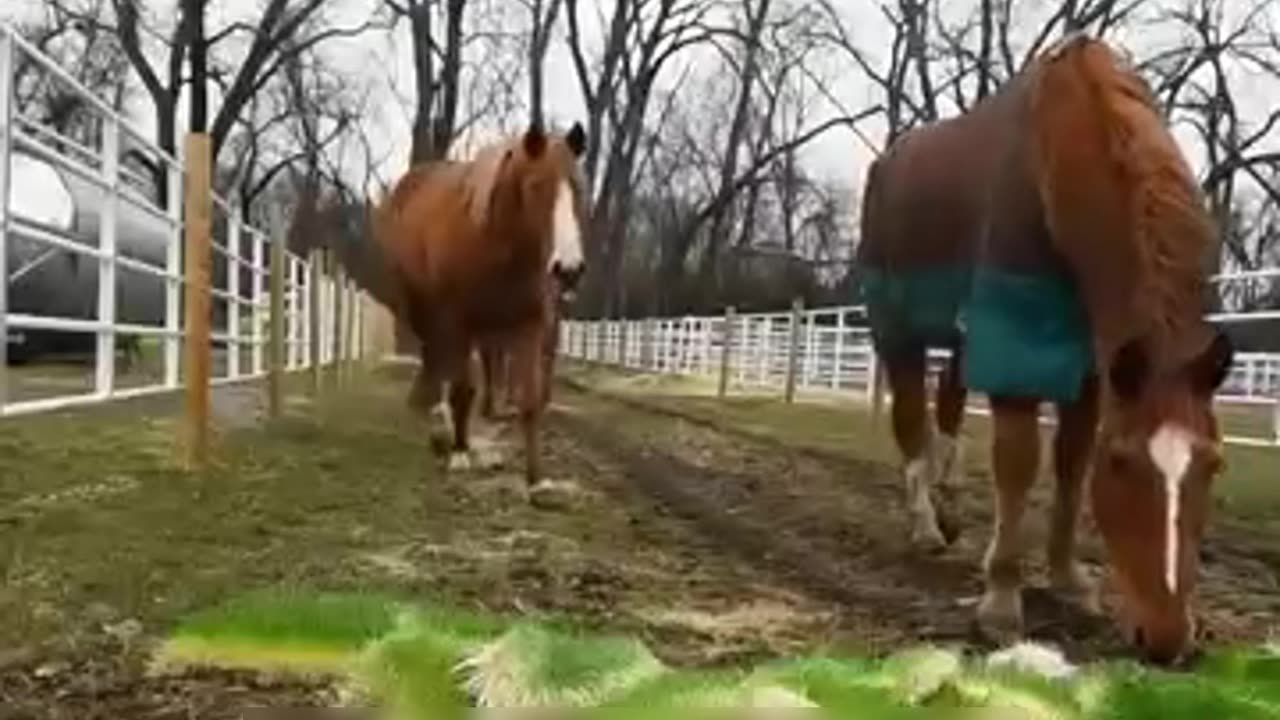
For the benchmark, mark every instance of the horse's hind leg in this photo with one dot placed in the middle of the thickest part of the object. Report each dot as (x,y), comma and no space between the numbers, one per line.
(1016,457)
(911,430)
(1072,453)
(949,411)
(489,368)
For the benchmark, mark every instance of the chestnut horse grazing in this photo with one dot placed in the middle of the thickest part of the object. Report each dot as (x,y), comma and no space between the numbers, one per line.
(1052,238)
(476,249)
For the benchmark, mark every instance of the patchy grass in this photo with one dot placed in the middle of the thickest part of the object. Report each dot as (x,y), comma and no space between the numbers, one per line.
(97,522)
(98,526)
(1248,491)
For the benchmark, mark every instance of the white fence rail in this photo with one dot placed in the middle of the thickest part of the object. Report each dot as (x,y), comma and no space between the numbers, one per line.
(91,244)
(831,352)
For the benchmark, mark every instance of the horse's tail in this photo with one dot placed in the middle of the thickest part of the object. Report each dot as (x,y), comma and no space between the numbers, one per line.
(1112,180)
(869,227)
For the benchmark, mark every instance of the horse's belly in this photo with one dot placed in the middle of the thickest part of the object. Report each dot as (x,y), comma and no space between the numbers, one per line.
(1026,335)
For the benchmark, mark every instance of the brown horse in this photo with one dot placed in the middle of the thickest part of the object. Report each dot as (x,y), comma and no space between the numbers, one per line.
(476,248)
(1052,238)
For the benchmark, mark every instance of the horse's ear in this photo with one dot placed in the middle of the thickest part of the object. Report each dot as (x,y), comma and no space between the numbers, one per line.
(1209,369)
(577,139)
(1130,369)
(535,140)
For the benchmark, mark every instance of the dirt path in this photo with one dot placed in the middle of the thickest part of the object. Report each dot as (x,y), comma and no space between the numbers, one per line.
(831,527)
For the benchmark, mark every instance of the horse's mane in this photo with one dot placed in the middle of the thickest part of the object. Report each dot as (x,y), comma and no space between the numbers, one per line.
(475,179)
(480,175)
(1095,116)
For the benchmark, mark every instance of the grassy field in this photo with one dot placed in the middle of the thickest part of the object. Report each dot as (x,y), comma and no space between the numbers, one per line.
(98,523)
(1248,491)
(102,535)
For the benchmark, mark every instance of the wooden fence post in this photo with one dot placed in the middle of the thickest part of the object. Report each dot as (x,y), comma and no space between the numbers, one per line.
(198,350)
(313,320)
(793,349)
(275,371)
(726,349)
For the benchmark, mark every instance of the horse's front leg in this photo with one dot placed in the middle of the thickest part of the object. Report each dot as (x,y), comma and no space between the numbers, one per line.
(1072,455)
(462,394)
(550,347)
(1015,457)
(425,398)
(528,362)
(443,359)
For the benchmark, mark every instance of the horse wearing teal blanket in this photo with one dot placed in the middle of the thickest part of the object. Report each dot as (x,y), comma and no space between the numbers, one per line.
(1052,239)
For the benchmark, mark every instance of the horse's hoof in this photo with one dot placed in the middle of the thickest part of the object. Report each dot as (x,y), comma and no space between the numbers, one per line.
(949,527)
(928,540)
(461,461)
(555,495)
(1077,589)
(487,458)
(1000,616)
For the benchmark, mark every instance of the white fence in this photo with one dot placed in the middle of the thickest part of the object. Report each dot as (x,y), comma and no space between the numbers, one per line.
(100,230)
(831,352)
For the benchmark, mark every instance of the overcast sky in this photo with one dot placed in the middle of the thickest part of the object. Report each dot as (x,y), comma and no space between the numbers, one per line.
(382,62)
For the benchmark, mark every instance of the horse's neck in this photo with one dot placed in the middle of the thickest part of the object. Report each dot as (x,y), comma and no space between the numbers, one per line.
(1129,291)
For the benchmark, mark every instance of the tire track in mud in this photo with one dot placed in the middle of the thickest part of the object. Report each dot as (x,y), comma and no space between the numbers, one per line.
(801,541)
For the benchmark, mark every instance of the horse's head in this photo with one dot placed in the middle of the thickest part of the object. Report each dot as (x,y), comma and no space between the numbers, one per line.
(1159,451)
(548,192)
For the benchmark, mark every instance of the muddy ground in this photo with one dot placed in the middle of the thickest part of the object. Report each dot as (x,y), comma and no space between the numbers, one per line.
(719,544)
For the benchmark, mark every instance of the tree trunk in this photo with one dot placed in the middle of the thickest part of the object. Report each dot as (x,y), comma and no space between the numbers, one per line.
(538,45)
(422,149)
(450,77)
(193,15)
(721,219)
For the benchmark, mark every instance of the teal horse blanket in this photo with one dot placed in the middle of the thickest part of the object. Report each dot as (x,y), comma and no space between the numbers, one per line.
(1022,335)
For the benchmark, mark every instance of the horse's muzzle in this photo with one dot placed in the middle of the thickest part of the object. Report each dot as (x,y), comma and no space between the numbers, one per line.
(568,275)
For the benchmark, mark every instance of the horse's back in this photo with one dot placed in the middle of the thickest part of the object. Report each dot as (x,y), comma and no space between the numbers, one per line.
(425,214)
(924,213)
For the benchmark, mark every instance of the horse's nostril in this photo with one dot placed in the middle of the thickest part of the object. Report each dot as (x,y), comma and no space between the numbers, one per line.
(568,277)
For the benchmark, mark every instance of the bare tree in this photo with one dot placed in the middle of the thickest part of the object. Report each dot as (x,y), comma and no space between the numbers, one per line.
(620,92)
(754,14)
(543,14)
(436,87)
(90,56)
(1240,154)
(277,33)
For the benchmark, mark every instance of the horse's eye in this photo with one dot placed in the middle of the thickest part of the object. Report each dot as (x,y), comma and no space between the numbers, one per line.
(1215,463)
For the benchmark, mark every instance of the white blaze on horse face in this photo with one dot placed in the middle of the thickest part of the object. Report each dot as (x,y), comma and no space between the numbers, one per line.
(566,234)
(1170,450)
